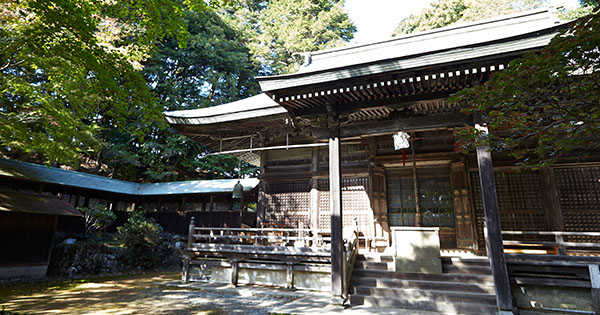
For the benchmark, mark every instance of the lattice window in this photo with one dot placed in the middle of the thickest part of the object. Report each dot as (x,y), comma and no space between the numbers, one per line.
(519,202)
(401,201)
(582,222)
(578,189)
(354,152)
(435,199)
(288,203)
(355,204)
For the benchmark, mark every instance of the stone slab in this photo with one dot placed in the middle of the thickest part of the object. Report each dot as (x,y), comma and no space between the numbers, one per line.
(23,272)
(417,250)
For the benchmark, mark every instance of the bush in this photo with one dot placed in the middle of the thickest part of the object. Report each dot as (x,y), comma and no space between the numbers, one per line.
(145,242)
(97,218)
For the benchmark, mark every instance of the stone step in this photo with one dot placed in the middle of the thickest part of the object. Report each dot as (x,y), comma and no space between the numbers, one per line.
(423,305)
(457,261)
(374,258)
(390,266)
(370,265)
(477,270)
(453,286)
(433,295)
(384,274)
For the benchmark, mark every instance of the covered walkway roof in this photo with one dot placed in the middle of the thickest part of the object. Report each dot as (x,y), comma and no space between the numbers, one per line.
(51,175)
(16,201)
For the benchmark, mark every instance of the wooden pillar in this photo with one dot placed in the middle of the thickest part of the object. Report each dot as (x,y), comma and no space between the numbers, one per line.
(289,275)
(181,207)
(191,231)
(210,207)
(335,190)
(493,230)
(109,202)
(551,200)
(466,236)
(77,199)
(418,218)
(314,195)
(54,227)
(158,204)
(595,281)
(261,198)
(234,272)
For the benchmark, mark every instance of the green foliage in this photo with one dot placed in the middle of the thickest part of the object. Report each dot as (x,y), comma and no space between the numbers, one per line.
(544,105)
(446,12)
(91,78)
(69,67)
(97,218)
(279,30)
(143,240)
(215,67)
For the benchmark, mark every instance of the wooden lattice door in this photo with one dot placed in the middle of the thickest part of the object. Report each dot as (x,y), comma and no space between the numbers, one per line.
(377,192)
(466,236)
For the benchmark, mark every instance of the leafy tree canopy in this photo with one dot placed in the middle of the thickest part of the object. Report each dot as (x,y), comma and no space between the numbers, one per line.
(278,31)
(90,79)
(545,105)
(68,67)
(217,66)
(446,12)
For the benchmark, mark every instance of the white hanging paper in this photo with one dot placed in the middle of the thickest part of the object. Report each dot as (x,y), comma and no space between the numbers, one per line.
(401,140)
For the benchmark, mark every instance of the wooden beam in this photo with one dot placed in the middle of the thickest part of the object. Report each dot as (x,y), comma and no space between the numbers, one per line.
(493,230)
(335,203)
(389,126)
(397,102)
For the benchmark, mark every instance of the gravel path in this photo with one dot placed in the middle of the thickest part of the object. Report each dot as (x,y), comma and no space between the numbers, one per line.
(157,293)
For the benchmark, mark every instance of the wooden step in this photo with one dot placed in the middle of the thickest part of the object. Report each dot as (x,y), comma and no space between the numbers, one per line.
(434,295)
(453,286)
(423,305)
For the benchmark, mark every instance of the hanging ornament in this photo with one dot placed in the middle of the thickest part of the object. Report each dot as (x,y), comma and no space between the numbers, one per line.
(401,143)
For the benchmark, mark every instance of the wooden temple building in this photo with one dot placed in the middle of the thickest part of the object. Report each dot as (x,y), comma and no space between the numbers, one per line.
(330,173)
(170,204)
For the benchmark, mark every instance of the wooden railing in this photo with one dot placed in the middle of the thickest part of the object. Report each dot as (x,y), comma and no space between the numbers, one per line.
(350,252)
(559,263)
(258,248)
(264,236)
(307,250)
(559,246)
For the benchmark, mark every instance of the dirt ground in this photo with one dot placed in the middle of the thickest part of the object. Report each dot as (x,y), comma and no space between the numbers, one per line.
(133,294)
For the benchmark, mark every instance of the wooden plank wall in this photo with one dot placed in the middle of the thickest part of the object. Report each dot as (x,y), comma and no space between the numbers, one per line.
(25,238)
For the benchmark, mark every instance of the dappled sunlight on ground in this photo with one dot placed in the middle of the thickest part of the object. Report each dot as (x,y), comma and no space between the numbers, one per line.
(138,294)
